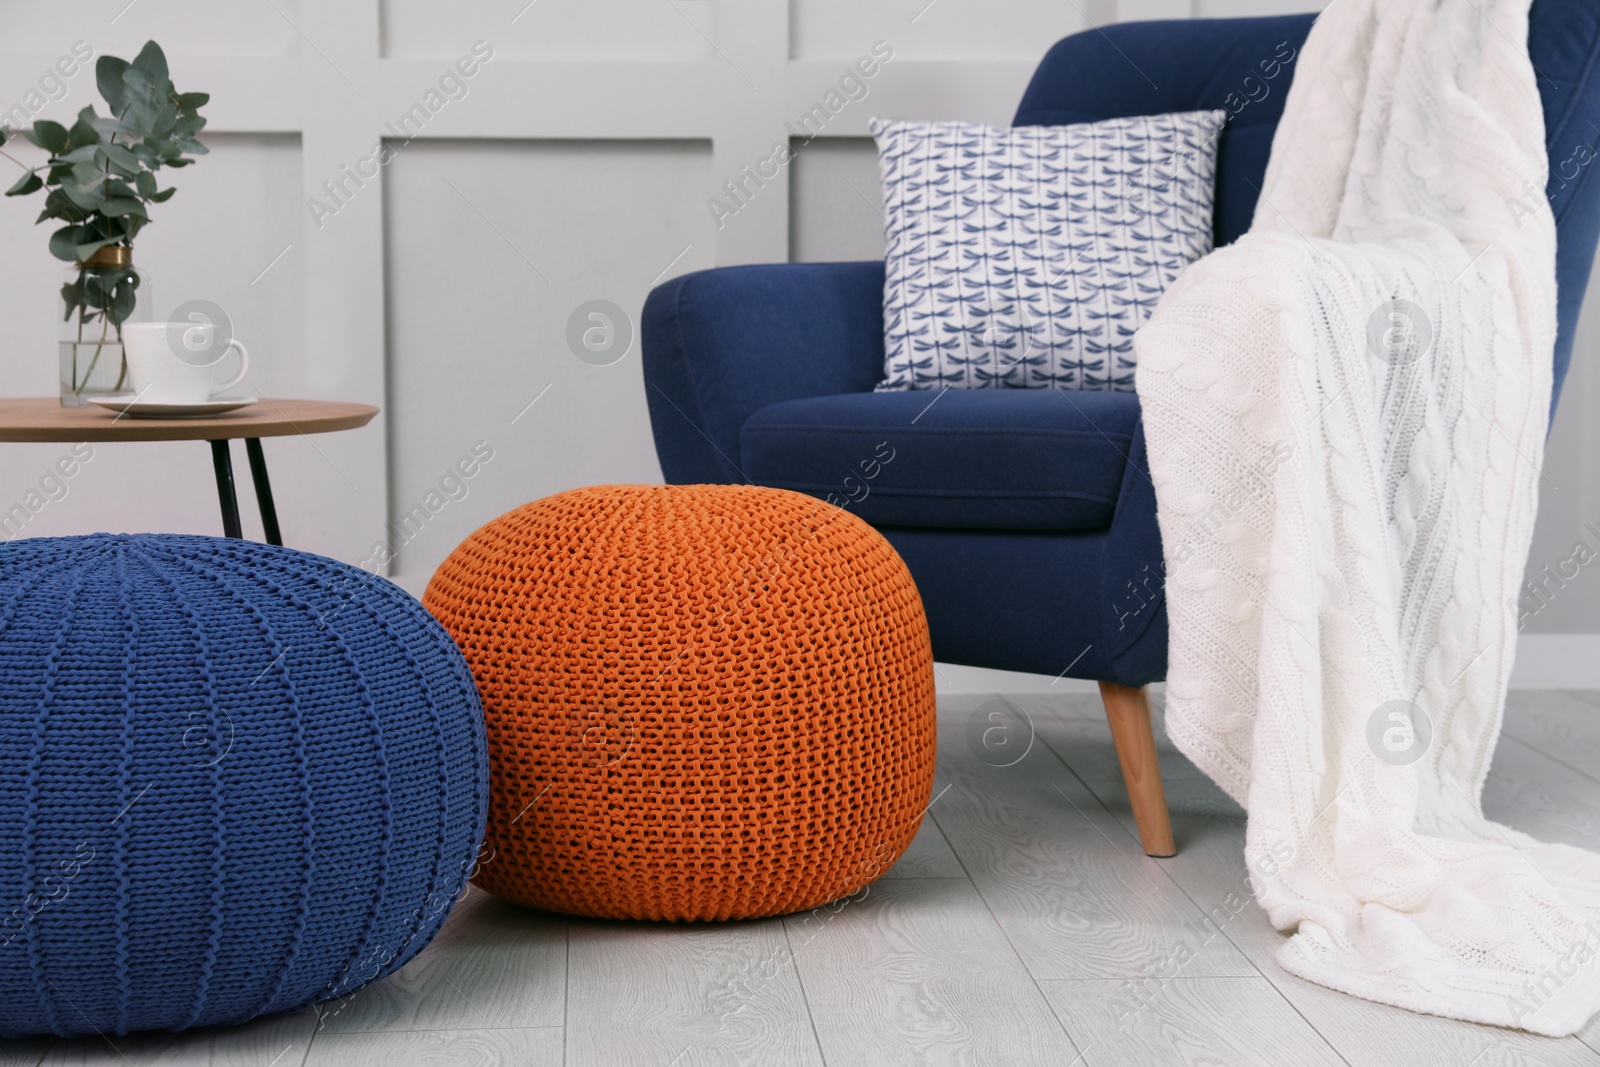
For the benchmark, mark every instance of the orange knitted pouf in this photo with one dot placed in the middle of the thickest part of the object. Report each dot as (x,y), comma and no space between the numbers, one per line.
(703,702)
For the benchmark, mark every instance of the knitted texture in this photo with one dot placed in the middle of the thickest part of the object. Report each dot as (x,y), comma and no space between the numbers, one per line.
(704,702)
(235,780)
(1346,413)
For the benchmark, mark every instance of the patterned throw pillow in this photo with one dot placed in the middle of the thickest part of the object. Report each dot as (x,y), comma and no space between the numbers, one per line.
(1026,257)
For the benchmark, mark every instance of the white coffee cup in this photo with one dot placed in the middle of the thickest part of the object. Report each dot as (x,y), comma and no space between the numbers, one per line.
(171,363)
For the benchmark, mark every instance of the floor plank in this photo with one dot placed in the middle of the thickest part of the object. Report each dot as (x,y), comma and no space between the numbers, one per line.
(1559,724)
(1531,792)
(494,965)
(1188,1022)
(539,1047)
(1590,1034)
(915,972)
(928,856)
(26,1053)
(650,994)
(1065,880)
(279,1042)
(1368,1033)
(1211,864)
(1075,728)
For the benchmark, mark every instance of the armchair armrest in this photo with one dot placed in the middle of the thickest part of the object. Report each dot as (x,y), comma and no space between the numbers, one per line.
(718,345)
(1134,580)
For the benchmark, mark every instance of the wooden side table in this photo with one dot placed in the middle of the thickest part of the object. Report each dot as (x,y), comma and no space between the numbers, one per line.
(45,419)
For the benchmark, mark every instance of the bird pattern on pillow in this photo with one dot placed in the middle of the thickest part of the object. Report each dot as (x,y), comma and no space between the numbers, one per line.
(1027,257)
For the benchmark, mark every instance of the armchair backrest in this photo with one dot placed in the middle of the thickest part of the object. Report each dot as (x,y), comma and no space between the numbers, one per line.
(1244,66)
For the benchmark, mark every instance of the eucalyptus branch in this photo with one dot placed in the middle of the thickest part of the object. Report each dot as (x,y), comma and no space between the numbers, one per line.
(100,177)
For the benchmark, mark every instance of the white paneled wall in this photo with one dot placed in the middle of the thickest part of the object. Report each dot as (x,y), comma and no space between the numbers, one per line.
(574,164)
(477,332)
(234,30)
(939,29)
(836,201)
(643,30)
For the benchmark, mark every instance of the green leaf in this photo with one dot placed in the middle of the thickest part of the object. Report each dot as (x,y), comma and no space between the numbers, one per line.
(119,154)
(191,102)
(50,136)
(108,77)
(123,206)
(58,206)
(108,127)
(91,247)
(122,300)
(164,195)
(96,293)
(140,86)
(85,201)
(166,120)
(88,211)
(82,135)
(122,158)
(136,123)
(64,242)
(81,154)
(85,178)
(86,198)
(71,297)
(142,101)
(28,183)
(152,62)
(141,90)
(145,182)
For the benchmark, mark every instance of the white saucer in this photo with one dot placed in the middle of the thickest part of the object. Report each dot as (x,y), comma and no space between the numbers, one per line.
(138,409)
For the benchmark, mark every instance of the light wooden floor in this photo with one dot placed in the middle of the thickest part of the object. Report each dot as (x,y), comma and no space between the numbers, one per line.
(1022,923)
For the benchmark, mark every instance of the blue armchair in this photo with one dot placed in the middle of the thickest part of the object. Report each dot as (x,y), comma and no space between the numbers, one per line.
(1027,516)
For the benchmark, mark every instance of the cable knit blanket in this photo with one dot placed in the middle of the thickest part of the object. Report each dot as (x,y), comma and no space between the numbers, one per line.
(1346,412)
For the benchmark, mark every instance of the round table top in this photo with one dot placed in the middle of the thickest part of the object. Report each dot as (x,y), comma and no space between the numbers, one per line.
(45,419)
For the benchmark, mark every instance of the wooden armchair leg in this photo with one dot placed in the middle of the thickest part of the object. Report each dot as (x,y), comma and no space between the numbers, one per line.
(1128,712)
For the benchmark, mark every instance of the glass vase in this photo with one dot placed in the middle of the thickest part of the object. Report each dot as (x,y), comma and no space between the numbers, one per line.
(98,296)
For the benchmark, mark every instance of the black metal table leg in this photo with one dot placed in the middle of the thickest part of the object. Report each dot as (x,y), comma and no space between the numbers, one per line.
(258,474)
(223,464)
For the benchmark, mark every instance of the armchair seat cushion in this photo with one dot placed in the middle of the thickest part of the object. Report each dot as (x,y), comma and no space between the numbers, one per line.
(1002,459)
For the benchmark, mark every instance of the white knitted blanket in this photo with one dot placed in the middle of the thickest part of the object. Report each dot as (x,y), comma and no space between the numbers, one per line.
(1346,413)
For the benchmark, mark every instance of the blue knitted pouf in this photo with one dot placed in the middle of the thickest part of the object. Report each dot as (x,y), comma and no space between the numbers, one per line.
(235,780)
